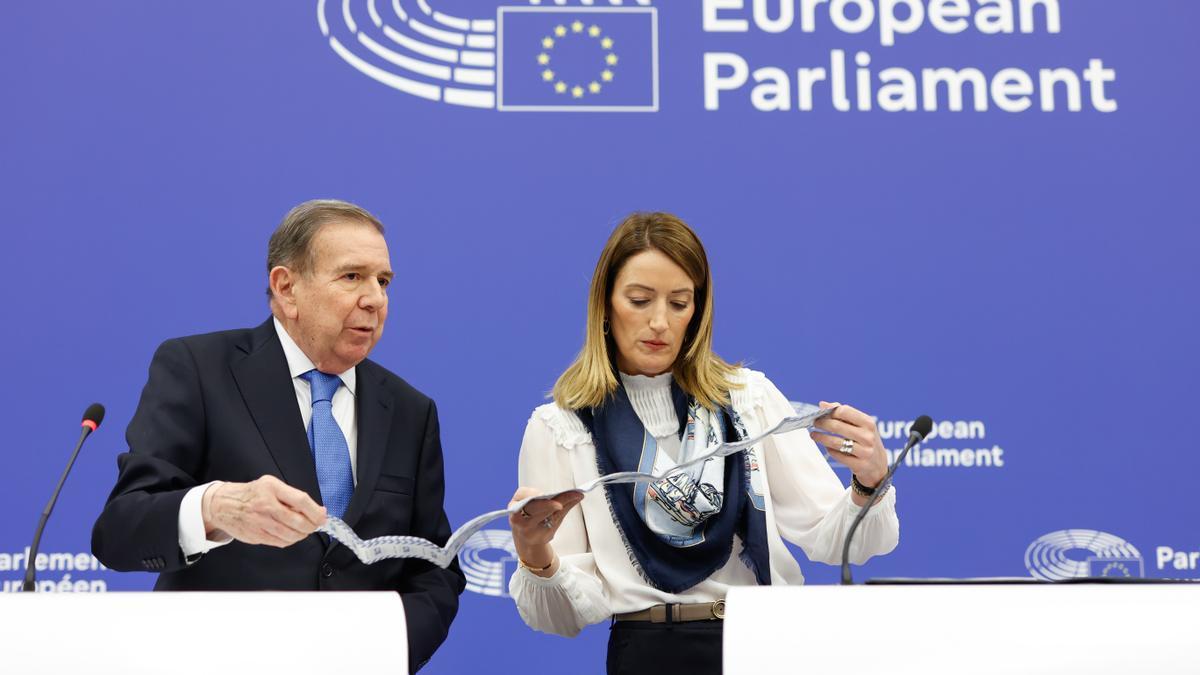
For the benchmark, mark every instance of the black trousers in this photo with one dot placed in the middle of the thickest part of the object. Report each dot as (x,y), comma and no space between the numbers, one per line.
(637,647)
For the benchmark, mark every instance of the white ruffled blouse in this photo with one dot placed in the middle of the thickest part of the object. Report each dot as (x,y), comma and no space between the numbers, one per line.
(806,505)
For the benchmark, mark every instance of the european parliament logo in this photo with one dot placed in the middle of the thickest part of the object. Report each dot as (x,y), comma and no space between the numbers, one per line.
(488,559)
(596,56)
(1072,554)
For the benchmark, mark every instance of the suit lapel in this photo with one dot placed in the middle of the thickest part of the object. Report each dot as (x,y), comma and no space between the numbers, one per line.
(266,386)
(374,422)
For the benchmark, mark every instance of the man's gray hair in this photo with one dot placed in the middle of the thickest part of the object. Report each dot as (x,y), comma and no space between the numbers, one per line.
(291,243)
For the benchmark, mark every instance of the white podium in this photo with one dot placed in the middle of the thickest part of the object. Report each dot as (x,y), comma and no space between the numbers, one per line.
(977,629)
(204,633)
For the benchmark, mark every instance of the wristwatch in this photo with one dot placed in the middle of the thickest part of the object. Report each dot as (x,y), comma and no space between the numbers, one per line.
(863,490)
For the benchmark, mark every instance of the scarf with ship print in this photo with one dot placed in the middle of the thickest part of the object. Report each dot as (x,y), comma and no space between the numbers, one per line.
(679,530)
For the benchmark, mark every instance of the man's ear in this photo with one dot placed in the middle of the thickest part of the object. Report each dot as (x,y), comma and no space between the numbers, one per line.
(283,289)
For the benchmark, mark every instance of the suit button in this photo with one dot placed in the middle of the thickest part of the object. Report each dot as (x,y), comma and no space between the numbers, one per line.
(326,570)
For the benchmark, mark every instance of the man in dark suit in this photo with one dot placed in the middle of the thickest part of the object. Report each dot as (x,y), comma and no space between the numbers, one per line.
(222,490)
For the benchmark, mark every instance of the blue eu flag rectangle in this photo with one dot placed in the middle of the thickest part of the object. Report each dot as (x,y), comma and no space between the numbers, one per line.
(597,59)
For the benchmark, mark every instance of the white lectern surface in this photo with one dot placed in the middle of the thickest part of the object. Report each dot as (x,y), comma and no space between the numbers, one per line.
(203,633)
(984,630)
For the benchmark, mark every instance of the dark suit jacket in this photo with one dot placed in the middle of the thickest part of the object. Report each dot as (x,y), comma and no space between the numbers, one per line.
(222,407)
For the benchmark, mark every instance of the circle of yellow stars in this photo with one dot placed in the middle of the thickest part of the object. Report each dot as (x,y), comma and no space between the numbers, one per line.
(577,90)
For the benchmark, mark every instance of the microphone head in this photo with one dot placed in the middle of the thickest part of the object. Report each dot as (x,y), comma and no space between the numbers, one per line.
(922,427)
(93,416)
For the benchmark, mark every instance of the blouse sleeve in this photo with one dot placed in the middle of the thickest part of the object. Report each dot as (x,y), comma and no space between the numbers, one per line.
(812,509)
(574,597)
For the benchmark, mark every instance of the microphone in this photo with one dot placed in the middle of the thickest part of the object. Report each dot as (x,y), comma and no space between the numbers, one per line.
(92,417)
(917,433)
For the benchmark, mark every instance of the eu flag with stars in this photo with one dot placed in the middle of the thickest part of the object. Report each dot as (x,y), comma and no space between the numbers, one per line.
(578,58)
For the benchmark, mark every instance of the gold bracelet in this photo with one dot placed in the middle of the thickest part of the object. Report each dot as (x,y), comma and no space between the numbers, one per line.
(531,568)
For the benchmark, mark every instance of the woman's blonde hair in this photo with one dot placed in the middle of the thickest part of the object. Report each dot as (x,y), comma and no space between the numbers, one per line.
(699,372)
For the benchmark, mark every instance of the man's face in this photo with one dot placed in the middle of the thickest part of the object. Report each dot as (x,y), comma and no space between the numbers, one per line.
(340,305)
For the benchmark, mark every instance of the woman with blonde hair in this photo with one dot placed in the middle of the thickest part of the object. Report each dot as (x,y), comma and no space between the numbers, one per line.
(647,393)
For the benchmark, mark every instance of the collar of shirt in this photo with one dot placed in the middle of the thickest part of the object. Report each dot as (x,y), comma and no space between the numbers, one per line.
(299,363)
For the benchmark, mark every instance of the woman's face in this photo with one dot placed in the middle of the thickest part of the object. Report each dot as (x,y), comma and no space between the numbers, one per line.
(652,302)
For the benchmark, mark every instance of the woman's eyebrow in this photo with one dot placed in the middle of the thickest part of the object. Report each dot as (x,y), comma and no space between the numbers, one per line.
(644,287)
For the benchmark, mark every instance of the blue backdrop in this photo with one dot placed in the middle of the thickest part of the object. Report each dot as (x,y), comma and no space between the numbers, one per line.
(1028,277)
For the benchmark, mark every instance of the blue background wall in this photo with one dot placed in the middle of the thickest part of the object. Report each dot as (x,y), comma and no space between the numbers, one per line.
(1034,271)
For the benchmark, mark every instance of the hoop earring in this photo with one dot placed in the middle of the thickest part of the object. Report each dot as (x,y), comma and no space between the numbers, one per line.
(604,327)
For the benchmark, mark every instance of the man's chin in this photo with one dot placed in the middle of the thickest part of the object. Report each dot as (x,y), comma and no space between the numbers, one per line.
(352,355)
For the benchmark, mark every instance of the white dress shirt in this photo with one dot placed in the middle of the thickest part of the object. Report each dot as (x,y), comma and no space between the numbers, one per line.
(192,538)
(806,505)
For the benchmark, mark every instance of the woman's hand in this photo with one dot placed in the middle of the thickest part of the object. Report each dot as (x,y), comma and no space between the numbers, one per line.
(534,527)
(868,459)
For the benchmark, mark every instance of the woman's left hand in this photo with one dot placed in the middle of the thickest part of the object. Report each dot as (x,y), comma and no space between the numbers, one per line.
(867,457)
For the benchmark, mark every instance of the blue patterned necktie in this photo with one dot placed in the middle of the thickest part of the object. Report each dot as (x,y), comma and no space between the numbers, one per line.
(330,451)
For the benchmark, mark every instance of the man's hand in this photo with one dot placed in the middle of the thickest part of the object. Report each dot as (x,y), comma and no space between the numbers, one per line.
(265,511)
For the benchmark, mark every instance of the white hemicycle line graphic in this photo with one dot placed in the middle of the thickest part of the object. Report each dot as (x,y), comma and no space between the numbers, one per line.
(1046,558)
(484,575)
(429,54)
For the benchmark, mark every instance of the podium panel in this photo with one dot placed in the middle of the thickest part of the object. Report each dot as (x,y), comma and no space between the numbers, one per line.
(982,629)
(204,633)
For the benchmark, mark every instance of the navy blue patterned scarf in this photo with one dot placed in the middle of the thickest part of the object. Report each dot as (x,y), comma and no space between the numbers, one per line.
(675,566)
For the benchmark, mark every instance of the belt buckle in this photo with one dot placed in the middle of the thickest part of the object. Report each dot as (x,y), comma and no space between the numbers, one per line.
(718,609)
